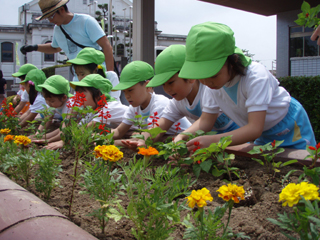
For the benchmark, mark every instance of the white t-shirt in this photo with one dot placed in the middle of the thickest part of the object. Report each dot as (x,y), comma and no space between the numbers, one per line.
(25,96)
(20,92)
(116,110)
(113,78)
(157,104)
(258,90)
(178,109)
(38,104)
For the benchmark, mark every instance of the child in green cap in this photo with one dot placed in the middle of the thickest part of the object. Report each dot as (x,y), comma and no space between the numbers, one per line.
(22,107)
(245,91)
(33,79)
(133,82)
(93,86)
(89,61)
(186,93)
(55,90)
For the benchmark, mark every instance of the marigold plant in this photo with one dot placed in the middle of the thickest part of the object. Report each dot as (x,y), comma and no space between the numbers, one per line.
(148,151)
(199,197)
(108,153)
(231,192)
(22,140)
(292,193)
(5,131)
(8,138)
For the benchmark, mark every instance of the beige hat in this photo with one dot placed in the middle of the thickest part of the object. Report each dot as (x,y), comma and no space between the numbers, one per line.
(48,7)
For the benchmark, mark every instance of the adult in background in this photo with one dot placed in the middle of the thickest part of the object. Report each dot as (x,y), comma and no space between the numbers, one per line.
(81,28)
(3,86)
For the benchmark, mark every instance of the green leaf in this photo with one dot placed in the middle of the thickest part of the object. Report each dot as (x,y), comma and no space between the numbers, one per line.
(289,162)
(258,160)
(305,7)
(196,170)
(206,165)
(217,173)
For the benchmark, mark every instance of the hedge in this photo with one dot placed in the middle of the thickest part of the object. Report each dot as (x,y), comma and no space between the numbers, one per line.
(307,91)
(49,71)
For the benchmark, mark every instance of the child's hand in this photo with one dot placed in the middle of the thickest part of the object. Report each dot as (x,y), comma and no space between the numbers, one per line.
(54,145)
(38,141)
(134,144)
(202,142)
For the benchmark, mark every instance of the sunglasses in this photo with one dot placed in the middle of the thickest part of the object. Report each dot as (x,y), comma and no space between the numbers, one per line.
(52,16)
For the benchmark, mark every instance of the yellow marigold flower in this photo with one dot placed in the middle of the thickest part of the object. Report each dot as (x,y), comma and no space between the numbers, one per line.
(110,152)
(8,138)
(23,140)
(199,197)
(292,193)
(5,131)
(148,151)
(231,192)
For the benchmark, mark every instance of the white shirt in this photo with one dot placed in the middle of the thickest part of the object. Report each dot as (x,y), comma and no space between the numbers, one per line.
(157,104)
(116,110)
(25,96)
(38,104)
(113,78)
(258,90)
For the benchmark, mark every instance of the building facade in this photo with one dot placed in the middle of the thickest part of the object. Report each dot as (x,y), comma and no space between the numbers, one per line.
(13,37)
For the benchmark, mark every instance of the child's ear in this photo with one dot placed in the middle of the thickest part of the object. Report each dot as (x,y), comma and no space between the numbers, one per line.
(192,81)
(64,98)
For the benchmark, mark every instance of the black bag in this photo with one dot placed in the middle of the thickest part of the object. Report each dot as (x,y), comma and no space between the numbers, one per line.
(81,46)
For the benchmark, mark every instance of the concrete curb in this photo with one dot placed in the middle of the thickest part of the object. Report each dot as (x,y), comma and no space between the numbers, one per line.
(25,216)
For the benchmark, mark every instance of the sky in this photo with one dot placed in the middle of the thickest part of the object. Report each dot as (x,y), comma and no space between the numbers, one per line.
(252,32)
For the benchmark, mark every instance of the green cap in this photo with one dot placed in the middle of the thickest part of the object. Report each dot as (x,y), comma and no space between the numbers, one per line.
(134,72)
(207,47)
(88,55)
(57,84)
(37,76)
(168,63)
(24,69)
(96,81)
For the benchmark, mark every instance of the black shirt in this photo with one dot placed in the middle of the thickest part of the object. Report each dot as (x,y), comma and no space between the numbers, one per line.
(2,83)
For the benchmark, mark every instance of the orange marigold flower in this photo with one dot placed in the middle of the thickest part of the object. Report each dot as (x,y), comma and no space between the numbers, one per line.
(23,140)
(5,131)
(8,138)
(231,192)
(148,151)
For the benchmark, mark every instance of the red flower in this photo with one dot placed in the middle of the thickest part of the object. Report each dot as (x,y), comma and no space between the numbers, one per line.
(77,100)
(311,148)
(318,145)
(177,126)
(199,162)
(261,150)
(273,143)
(197,146)
(154,119)
(101,127)
(307,15)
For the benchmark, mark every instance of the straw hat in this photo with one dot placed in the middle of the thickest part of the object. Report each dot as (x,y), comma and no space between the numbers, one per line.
(48,7)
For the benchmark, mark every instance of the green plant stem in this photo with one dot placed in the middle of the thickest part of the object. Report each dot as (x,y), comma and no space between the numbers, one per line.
(230,205)
(201,222)
(227,168)
(74,184)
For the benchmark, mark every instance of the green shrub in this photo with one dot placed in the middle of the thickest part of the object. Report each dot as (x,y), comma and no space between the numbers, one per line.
(306,91)
(49,71)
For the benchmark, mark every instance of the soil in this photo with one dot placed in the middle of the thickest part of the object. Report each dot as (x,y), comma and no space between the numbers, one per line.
(248,217)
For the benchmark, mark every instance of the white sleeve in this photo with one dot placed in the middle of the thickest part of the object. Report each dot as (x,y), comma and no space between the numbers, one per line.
(129,114)
(116,111)
(25,96)
(113,78)
(172,112)
(209,105)
(38,104)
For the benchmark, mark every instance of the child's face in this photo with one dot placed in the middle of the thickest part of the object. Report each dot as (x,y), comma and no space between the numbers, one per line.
(81,71)
(89,99)
(219,80)
(138,95)
(177,87)
(56,102)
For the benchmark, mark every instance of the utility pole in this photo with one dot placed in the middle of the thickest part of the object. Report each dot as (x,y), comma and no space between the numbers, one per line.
(130,22)
(25,8)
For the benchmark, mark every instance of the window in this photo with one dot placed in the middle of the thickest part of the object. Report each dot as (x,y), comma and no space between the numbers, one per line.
(48,57)
(6,52)
(84,2)
(300,44)
(120,50)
